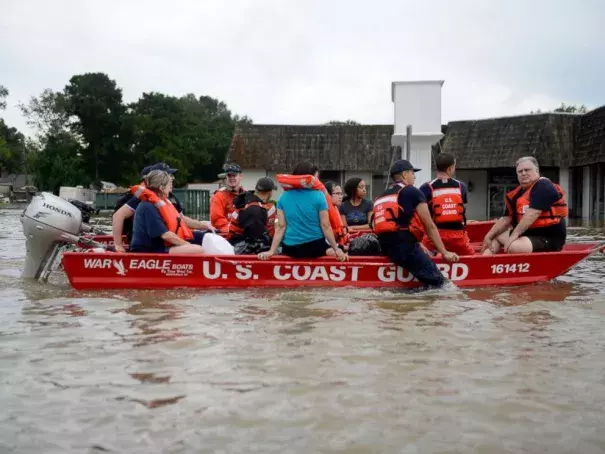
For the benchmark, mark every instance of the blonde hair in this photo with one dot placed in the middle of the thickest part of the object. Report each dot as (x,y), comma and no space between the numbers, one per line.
(157,179)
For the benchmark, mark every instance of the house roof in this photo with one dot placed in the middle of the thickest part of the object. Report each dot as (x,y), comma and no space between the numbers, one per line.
(554,139)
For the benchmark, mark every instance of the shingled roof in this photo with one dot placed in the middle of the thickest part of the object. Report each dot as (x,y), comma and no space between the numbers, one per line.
(590,147)
(499,142)
(280,147)
(554,139)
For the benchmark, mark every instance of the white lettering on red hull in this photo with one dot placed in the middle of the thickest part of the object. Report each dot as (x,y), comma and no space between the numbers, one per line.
(206,270)
(314,273)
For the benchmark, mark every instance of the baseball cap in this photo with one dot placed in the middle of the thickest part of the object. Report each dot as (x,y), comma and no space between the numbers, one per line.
(265,184)
(158,166)
(231,168)
(401,165)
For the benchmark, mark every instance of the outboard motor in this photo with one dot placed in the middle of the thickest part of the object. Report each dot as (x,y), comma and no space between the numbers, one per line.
(46,221)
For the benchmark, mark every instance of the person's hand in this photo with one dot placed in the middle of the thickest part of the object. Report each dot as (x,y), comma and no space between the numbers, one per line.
(451,256)
(340,255)
(119,248)
(265,255)
(206,225)
(487,244)
(511,239)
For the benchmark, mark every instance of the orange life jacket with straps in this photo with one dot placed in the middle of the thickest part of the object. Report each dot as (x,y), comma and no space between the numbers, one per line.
(310,182)
(387,213)
(168,212)
(518,205)
(236,229)
(446,204)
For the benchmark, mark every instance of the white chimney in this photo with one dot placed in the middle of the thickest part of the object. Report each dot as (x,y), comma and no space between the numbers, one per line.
(418,104)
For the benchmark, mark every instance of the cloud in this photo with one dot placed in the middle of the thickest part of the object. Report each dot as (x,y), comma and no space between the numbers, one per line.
(312,61)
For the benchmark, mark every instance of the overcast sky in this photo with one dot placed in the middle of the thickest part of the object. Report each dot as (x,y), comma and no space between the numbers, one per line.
(312,61)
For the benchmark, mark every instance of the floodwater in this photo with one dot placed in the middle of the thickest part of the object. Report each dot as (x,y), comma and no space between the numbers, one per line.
(492,370)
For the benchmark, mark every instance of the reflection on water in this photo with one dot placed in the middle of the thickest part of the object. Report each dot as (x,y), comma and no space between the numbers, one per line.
(517,369)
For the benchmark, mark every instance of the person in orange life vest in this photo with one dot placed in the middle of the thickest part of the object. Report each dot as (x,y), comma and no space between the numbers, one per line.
(253,220)
(303,222)
(356,210)
(536,210)
(127,205)
(158,227)
(401,215)
(221,203)
(446,198)
(335,191)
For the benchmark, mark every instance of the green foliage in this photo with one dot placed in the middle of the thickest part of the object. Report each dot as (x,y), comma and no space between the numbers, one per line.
(94,102)
(58,163)
(3,96)
(11,148)
(343,123)
(85,133)
(570,108)
(566,108)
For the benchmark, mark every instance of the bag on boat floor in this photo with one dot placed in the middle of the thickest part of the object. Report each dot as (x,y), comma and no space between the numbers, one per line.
(214,244)
(247,247)
(366,244)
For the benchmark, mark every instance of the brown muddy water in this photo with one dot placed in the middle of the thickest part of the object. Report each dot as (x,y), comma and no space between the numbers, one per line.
(491,370)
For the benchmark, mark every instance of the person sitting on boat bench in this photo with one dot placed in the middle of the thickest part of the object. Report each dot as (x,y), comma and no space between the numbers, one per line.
(122,220)
(221,203)
(536,210)
(446,198)
(401,216)
(252,224)
(303,222)
(158,226)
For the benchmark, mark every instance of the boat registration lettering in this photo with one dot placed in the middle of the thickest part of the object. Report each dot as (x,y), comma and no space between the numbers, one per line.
(502,268)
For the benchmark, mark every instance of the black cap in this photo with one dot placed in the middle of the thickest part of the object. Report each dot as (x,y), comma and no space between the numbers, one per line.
(265,184)
(231,168)
(158,166)
(401,165)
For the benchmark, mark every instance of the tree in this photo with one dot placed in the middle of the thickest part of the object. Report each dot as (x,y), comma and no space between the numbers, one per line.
(11,148)
(46,113)
(53,157)
(566,108)
(58,163)
(3,96)
(188,133)
(94,102)
(570,108)
(343,123)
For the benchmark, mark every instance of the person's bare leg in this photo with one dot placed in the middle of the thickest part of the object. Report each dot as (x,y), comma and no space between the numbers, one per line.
(186,249)
(497,243)
(521,246)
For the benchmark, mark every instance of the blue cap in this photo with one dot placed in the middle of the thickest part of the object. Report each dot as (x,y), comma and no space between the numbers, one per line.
(158,166)
(401,165)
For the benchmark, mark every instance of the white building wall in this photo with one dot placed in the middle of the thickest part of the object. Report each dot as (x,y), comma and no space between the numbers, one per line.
(564,182)
(586,193)
(250,177)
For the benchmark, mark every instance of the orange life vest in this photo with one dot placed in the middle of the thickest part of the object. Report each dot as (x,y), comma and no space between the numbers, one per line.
(310,182)
(518,205)
(387,212)
(236,229)
(446,203)
(170,215)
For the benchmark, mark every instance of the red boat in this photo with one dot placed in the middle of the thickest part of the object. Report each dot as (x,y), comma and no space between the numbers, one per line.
(476,232)
(91,270)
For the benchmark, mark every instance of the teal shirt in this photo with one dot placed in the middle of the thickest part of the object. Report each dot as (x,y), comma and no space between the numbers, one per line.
(301,208)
